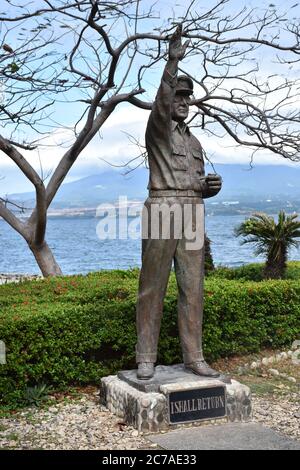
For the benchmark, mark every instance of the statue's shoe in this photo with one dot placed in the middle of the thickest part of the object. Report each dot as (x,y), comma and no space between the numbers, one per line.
(202,368)
(145,370)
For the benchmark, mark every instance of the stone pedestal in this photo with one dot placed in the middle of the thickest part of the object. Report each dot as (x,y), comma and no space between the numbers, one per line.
(174,392)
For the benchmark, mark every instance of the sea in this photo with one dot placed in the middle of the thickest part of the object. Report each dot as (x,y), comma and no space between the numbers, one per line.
(78,249)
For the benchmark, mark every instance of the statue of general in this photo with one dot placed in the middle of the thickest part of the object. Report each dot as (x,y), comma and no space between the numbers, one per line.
(177,181)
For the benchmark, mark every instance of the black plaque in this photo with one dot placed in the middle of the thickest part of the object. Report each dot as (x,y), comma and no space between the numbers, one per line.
(197,404)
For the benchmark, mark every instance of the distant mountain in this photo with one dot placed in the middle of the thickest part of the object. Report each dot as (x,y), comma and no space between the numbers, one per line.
(261,188)
(259,184)
(94,190)
(261,181)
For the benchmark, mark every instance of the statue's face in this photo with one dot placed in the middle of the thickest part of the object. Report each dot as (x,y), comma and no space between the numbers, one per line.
(180,107)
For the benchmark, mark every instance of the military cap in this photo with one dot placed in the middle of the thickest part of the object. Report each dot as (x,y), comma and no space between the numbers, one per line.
(184,85)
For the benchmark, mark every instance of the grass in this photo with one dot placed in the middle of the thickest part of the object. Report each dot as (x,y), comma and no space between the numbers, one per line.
(262,388)
(260,381)
(12,437)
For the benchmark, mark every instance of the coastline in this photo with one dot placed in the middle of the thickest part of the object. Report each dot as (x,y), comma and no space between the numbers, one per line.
(7,278)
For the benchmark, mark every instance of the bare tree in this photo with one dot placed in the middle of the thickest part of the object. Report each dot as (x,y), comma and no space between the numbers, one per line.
(97,54)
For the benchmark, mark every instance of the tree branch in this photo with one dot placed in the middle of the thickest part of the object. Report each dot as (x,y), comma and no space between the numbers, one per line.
(13,221)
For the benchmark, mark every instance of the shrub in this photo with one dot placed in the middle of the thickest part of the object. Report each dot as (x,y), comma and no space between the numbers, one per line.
(249,272)
(253,272)
(74,330)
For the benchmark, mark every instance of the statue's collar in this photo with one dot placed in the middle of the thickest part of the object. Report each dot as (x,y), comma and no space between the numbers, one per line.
(183,128)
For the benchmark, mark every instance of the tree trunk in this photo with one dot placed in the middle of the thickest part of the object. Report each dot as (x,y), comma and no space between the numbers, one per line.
(275,269)
(45,260)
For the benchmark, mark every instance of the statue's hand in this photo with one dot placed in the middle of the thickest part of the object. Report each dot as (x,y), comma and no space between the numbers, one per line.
(176,48)
(213,184)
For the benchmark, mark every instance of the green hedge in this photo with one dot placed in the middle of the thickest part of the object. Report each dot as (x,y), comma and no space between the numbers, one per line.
(74,330)
(253,272)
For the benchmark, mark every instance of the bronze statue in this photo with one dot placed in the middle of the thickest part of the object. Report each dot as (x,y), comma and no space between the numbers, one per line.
(176,178)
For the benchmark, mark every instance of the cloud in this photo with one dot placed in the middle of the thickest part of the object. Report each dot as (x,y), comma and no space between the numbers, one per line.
(112,146)
(226,151)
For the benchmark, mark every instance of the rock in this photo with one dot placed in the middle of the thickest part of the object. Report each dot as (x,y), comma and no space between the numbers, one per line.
(8,278)
(135,433)
(295,345)
(274,372)
(265,361)
(146,402)
(292,379)
(253,365)
(283,355)
(290,353)
(52,409)
(13,444)
(296,357)
(263,412)
(283,375)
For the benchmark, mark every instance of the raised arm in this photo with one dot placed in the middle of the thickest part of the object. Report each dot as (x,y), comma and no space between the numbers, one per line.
(176,53)
(161,110)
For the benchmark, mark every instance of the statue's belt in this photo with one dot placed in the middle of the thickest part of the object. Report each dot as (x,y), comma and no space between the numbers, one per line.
(174,192)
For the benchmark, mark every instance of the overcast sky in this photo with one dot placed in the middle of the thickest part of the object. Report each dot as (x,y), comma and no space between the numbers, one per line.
(114,145)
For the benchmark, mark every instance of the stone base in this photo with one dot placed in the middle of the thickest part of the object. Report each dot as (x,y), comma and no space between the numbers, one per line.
(148,410)
(166,375)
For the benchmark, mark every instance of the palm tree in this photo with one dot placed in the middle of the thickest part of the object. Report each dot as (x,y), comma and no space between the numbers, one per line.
(271,239)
